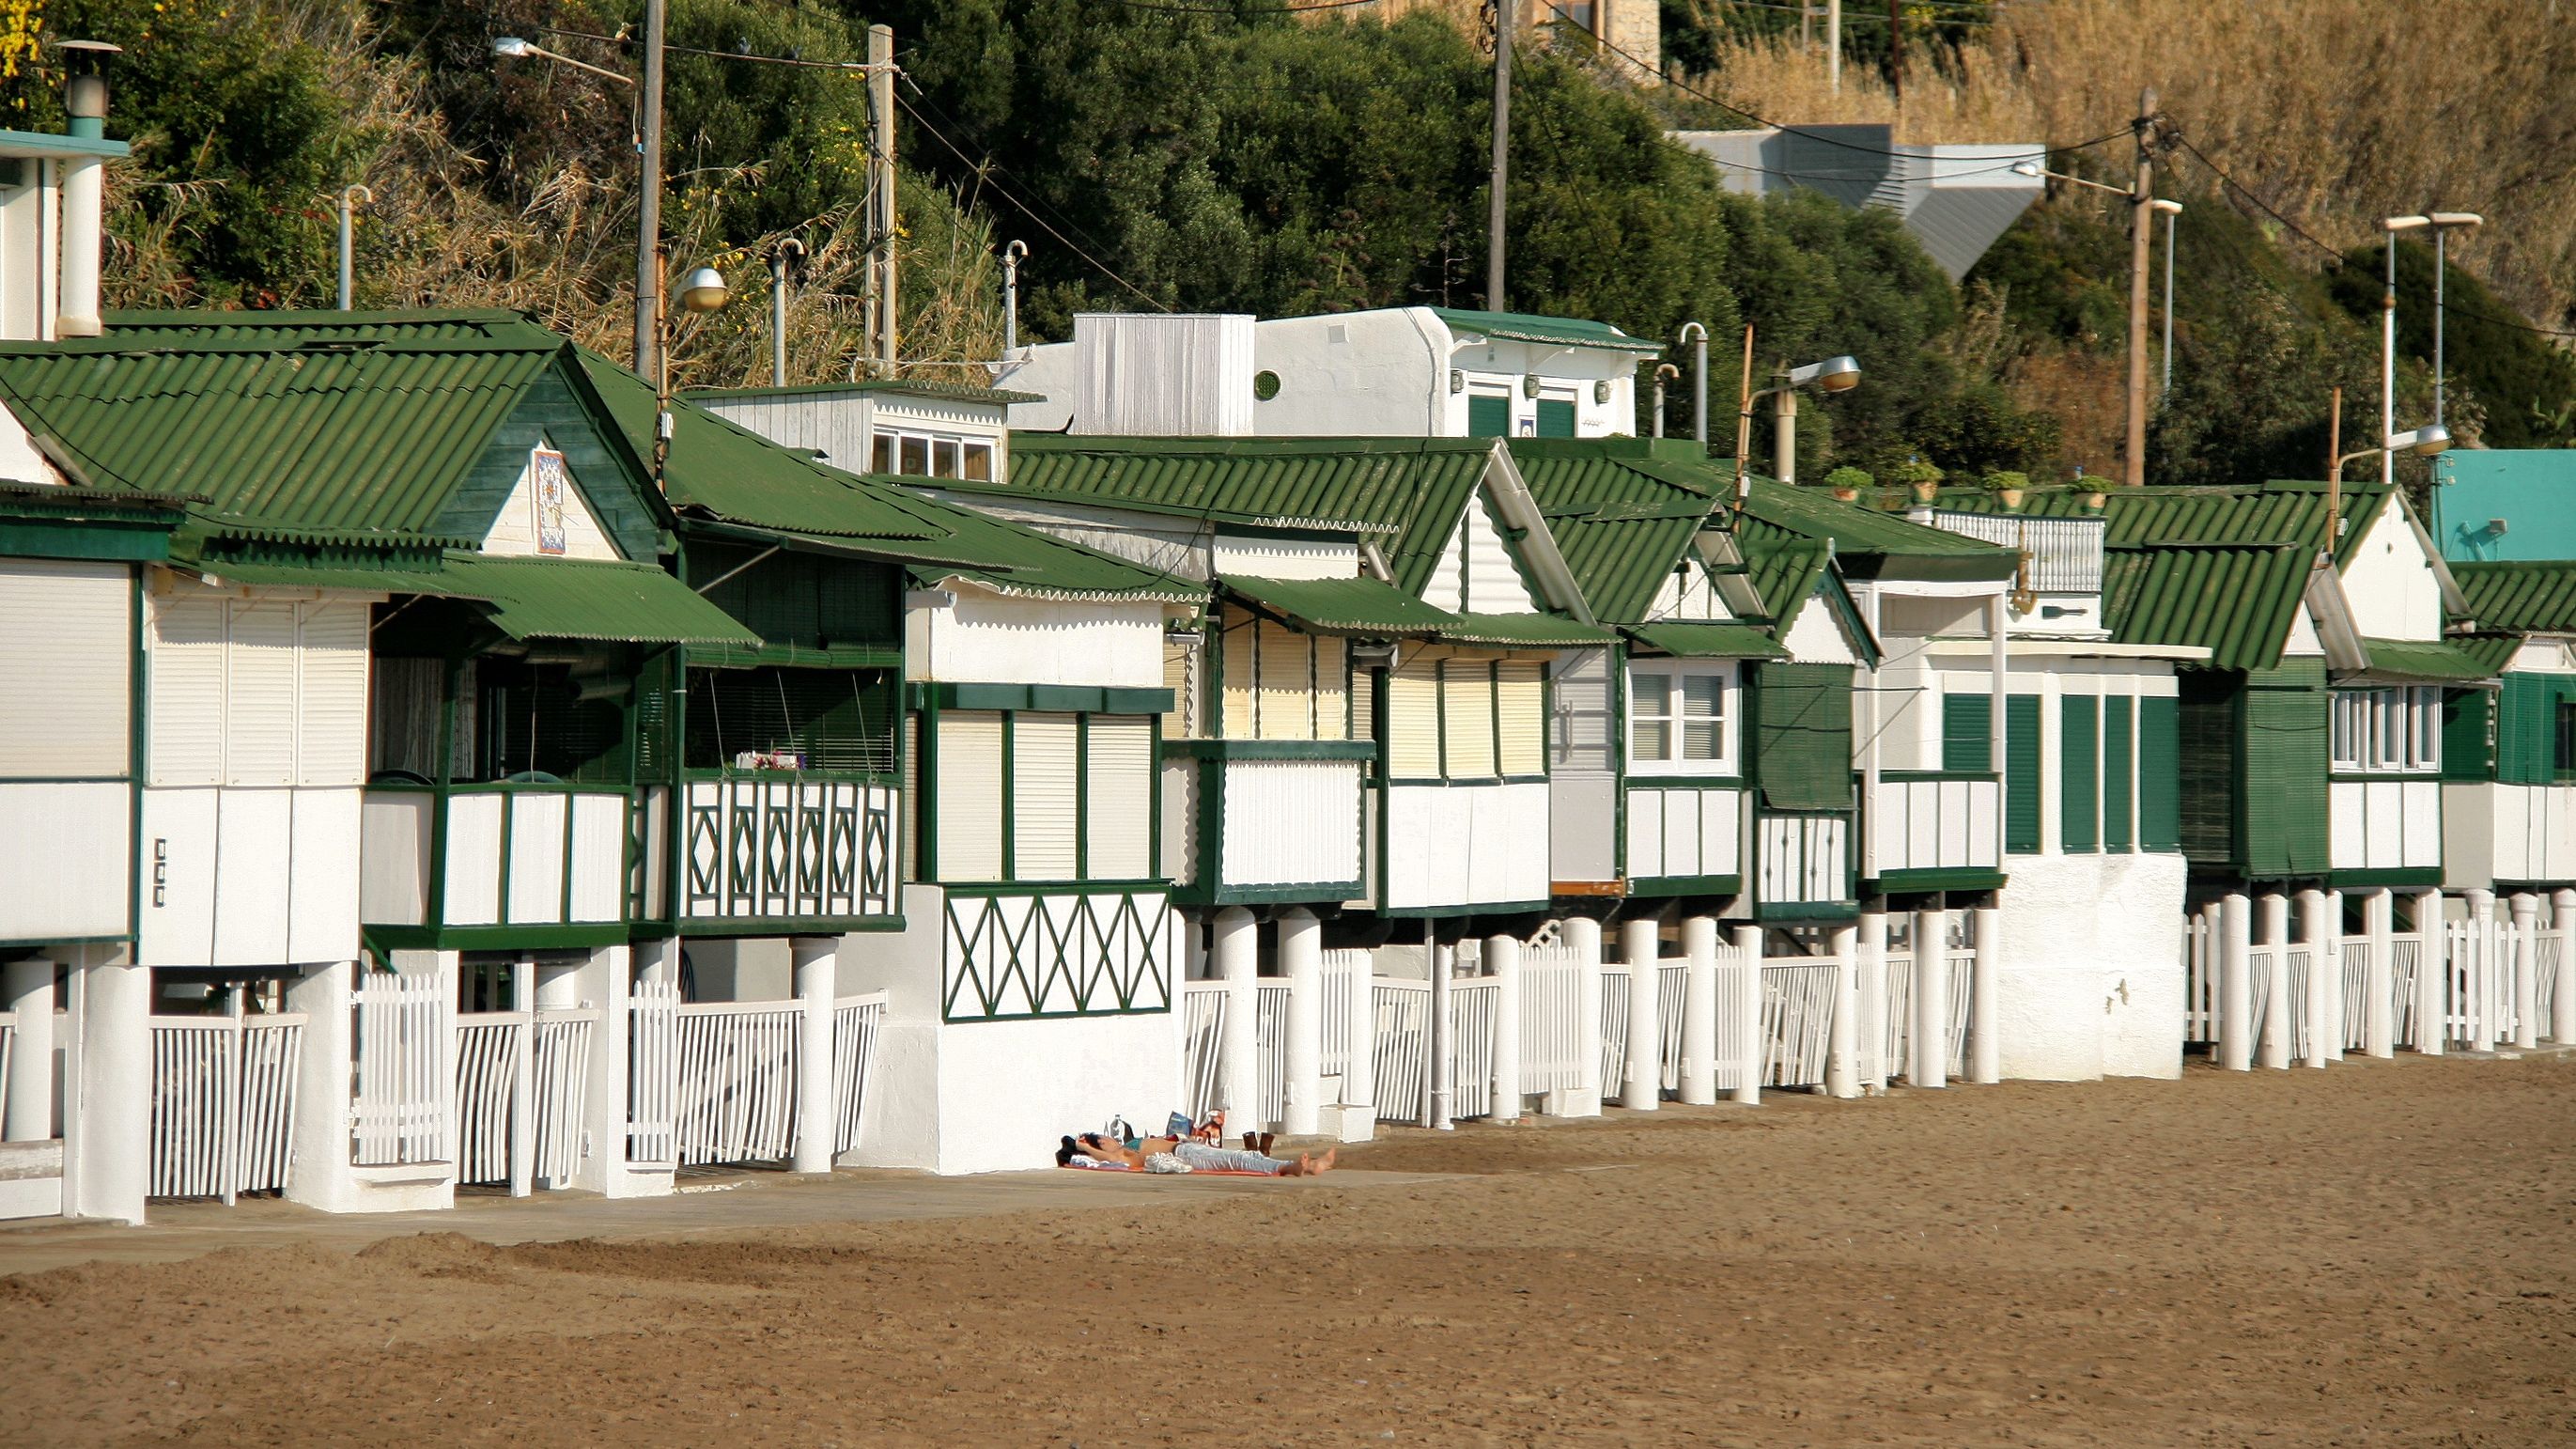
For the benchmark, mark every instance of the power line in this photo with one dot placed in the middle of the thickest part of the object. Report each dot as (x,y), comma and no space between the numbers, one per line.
(1241,9)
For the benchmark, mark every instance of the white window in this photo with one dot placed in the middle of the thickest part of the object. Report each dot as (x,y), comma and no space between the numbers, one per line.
(930,455)
(2387,731)
(1681,717)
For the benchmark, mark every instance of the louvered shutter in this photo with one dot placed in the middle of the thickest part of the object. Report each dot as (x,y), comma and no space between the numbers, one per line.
(333,690)
(969,806)
(1287,683)
(1489,416)
(2526,725)
(1555,418)
(1180,670)
(185,690)
(1413,718)
(1241,645)
(69,656)
(259,695)
(1521,706)
(2468,734)
(1467,719)
(2079,765)
(1364,704)
(2159,774)
(2119,772)
(2021,773)
(1332,689)
(1119,792)
(2211,751)
(1803,735)
(1967,733)
(1043,799)
(2286,763)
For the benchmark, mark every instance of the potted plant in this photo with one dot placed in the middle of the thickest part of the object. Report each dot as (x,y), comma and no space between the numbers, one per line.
(2009,487)
(1921,479)
(1847,482)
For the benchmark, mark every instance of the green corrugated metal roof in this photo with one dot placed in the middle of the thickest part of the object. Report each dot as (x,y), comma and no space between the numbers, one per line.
(1783,566)
(2424,659)
(1362,606)
(2490,652)
(265,573)
(1515,629)
(2538,596)
(420,324)
(2237,601)
(1412,489)
(1623,511)
(911,386)
(1563,331)
(1707,641)
(1869,544)
(561,598)
(2276,511)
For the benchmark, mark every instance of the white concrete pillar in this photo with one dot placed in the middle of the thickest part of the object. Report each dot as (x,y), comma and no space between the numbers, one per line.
(1442,1097)
(1869,997)
(2526,970)
(1235,951)
(605,984)
(1842,1035)
(1583,937)
(1503,963)
(1927,1059)
(2235,982)
(1640,945)
(29,990)
(2331,1006)
(2432,977)
(318,1173)
(818,968)
(2482,945)
(1985,1036)
(1301,960)
(2379,974)
(523,1080)
(2317,941)
(1746,1016)
(2562,1008)
(107,1149)
(1699,1011)
(2273,912)
(1359,1079)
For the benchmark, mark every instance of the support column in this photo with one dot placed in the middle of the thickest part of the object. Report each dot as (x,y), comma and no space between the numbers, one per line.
(2331,1006)
(523,1080)
(107,1154)
(2526,970)
(1640,943)
(2235,982)
(2317,942)
(605,983)
(2274,913)
(1359,1079)
(1746,1016)
(1503,963)
(1301,960)
(318,1173)
(1927,1057)
(29,989)
(1699,1011)
(2480,987)
(1985,1039)
(1235,951)
(2379,974)
(2562,1006)
(1583,937)
(818,977)
(1869,996)
(2432,977)
(1842,1035)
(1443,1065)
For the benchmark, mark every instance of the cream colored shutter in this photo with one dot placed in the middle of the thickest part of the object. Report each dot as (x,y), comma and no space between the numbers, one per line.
(1467,718)
(1413,718)
(1364,704)
(1521,703)
(1042,796)
(1287,684)
(333,717)
(969,807)
(1240,642)
(184,684)
(1332,689)
(1180,676)
(1119,794)
(259,695)
(68,657)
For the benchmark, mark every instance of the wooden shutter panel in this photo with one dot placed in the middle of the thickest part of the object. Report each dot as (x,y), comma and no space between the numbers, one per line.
(2119,771)
(185,690)
(2468,734)
(1488,416)
(1364,704)
(969,805)
(1555,418)
(65,708)
(1118,786)
(1180,675)
(1287,695)
(2210,745)
(1044,805)
(1467,719)
(2526,728)
(1240,642)
(2021,773)
(1332,689)
(1521,703)
(2080,813)
(2285,764)
(1413,718)
(1802,756)
(333,686)
(259,695)
(1967,733)
(2159,774)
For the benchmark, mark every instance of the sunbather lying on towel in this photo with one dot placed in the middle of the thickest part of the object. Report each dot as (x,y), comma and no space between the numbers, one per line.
(1196,1156)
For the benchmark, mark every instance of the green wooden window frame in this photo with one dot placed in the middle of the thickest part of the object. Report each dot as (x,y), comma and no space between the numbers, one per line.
(1968,734)
(2159,774)
(2021,774)
(2080,773)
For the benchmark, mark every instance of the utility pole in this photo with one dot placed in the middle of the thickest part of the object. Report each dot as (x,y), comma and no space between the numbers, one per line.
(1896,48)
(1834,46)
(881,160)
(1494,296)
(2142,217)
(648,217)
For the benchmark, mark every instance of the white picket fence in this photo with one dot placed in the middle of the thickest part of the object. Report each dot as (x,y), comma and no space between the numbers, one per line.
(1551,1019)
(1672,985)
(2353,959)
(1202,1046)
(1473,1012)
(736,1099)
(653,1074)
(401,1026)
(223,1104)
(2405,976)
(1270,1041)
(1345,972)
(1797,1018)
(1403,1048)
(855,1022)
(1615,983)
(494,1050)
(1741,1045)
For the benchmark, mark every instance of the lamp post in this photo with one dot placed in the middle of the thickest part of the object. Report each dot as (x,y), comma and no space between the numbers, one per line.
(2390,227)
(2444,223)
(2137,197)
(2169,210)
(1834,374)
(2423,442)
(648,145)
(785,255)
(1663,370)
(1011,296)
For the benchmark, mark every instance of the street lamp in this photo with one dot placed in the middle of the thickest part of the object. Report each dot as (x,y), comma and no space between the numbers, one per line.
(2168,210)
(1697,335)
(1834,374)
(2444,223)
(2423,442)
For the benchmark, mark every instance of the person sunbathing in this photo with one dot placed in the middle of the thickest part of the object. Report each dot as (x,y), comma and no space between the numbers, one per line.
(1196,1156)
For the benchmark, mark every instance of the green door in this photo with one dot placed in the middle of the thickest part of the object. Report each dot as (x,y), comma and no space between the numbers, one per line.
(1555,418)
(1488,416)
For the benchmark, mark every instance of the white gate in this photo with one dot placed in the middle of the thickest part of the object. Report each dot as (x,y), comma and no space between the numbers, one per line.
(1740,1042)
(2405,975)
(1403,1049)
(737,1081)
(2200,992)
(1797,1018)
(498,1051)
(1472,1010)
(653,1074)
(401,1033)
(1551,1019)
(223,1104)
(2354,960)
(1202,1045)
(1270,1049)
(1672,987)
(855,1020)
(1614,1029)
(487,1074)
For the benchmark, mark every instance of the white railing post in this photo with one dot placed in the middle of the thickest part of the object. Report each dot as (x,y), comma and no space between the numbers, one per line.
(523,1079)
(2235,983)
(2526,970)
(1699,1011)
(1236,954)
(817,964)
(2478,985)
(1641,946)
(1359,1076)
(1985,1045)
(2274,910)
(1441,1093)
(1503,963)
(1747,1015)
(2432,976)
(2317,938)
(2331,1010)
(29,986)
(1582,936)
(1869,997)
(1842,1033)
(1301,960)
(1927,1053)
(2562,996)
(2379,974)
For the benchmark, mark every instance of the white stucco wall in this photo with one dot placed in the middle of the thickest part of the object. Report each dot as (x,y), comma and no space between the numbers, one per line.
(2390,581)
(2090,980)
(986,638)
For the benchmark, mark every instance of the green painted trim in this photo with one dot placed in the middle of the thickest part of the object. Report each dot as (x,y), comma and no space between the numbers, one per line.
(1154,798)
(1937,878)
(1937,777)
(496,938)
(978,890)
(509,828)
(2341,777)
(2426,875)
(68,941)
(1332,892)
(1687,885)
(84,539)
(1806,911)
(926,805)
(1210,799)
(1010,795)
(9,779)
(1082,798)
(720,927)
(1471,782)
(1165,1010)
(54,143)
(1271,749)
(1471,908)
(1053,698)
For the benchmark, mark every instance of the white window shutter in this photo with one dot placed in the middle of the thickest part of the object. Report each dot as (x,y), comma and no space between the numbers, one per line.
(1119,795)
(184,683)
(1413,718)
(1043,803)
(334,688)
(1467,718)
(69,660)
(1523,709)
(259,695)
(969,807)
(1287,684)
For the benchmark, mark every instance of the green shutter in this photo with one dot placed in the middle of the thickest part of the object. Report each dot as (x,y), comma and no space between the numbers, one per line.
(2021,773)
(2285,755)
(1489,417)
(2468,734)
(1555,418)
(2119,771)
(2079,769)
(2159,774)
(1967,733)
(1803,736)
(2526,728)
(2207,738)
